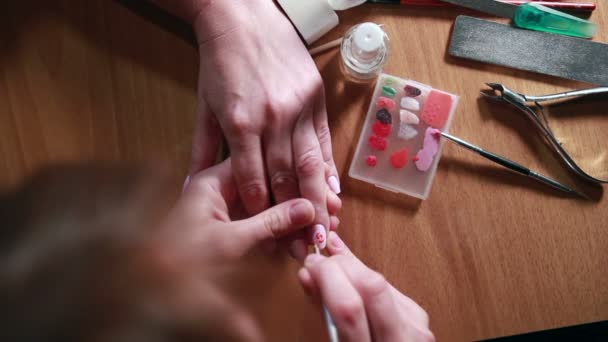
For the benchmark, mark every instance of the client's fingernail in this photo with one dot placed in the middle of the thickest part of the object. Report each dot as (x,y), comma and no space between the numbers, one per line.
(186,182)
(312,259)
(335,240)
(334,184)
(319,236)
(301,212)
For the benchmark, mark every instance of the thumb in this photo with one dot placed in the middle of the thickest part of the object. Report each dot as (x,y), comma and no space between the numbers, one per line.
(276,222)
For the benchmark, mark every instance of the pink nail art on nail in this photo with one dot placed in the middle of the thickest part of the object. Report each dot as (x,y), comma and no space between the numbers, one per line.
(319,236)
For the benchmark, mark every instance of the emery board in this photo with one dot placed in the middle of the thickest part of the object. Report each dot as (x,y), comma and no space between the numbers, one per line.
(545,53)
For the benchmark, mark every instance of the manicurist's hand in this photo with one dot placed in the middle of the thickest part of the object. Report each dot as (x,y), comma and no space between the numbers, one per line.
(364,306)
(260,88)
(210,216)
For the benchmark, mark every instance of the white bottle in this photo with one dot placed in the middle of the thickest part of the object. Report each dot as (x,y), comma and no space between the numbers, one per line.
(364,52)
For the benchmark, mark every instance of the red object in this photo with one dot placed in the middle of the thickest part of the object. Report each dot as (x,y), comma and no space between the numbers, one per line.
(378,143)
(415,159)
(399,158)
(382,129)
(436,109)
(372,161)
(565,6)
(386,103)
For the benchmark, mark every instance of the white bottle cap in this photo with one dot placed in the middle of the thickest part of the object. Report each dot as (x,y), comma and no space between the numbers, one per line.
(312,18)
(368,38)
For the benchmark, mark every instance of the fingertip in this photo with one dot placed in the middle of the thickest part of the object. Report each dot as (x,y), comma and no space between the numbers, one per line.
(335,245)
(312,259)
(307,282)
(305,277)
(334,203)
(334,223)
(298,249)
(301,212)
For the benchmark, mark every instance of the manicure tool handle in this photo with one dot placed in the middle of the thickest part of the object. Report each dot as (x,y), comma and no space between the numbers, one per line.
(509,164)
(540,18)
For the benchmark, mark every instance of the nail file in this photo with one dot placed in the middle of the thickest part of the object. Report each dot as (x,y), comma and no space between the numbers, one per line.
(544,53)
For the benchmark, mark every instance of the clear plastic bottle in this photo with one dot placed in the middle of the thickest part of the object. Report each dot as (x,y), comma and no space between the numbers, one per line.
(364,51)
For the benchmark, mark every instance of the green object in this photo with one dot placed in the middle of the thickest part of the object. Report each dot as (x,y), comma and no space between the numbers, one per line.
(388,91)
(389,81)
(541,18)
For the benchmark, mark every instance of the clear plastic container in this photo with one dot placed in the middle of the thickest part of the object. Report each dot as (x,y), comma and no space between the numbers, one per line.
(435,106)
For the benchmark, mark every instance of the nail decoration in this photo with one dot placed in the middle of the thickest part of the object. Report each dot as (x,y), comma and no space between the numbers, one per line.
(377,143)
(371,161)
(408,117)
(381,129)
(407,132)
(410,104)
(384,116)
(385,103)
(429,150)
(437,109)
(412,91)
(388,91)
(399,159)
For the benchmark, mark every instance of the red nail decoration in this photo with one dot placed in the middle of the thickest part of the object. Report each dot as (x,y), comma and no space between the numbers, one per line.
(399,158)
(378,143)
(382,129)
(386,103)
(372,161)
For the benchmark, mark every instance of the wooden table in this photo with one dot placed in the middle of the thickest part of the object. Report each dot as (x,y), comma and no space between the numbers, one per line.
(488,254)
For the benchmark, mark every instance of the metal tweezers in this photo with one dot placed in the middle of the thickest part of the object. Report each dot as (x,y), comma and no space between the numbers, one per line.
(531,106)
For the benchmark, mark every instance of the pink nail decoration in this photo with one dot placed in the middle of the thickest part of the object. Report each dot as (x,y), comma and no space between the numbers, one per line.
(408,117)
(429,150)
(386,103)
(319,236)
(436,109)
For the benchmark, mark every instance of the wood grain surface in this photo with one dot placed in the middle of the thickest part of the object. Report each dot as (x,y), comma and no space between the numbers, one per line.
(489,254)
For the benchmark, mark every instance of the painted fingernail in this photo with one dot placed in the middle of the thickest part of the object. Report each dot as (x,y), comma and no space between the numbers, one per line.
(312,259)
(319,236)
(186,182)
(335,240)
(334,184)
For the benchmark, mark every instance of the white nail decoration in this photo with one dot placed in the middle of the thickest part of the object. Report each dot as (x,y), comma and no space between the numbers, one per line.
(410,104)
(406,131)
(408,117)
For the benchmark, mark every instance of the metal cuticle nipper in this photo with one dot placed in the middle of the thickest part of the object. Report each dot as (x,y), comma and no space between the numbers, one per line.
(531,106)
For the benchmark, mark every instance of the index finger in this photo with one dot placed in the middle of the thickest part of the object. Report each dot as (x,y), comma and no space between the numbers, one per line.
(310,170)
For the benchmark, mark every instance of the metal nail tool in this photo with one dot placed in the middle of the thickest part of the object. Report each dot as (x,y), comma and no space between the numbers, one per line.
(531,107)
(511,165)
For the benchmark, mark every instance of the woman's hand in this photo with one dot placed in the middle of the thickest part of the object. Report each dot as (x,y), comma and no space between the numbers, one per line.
(209,217)
(364,306)
(260,88)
